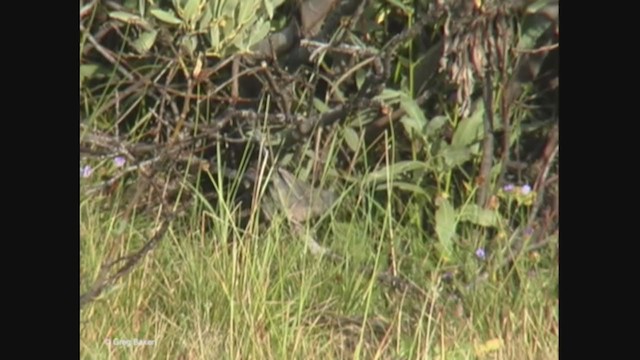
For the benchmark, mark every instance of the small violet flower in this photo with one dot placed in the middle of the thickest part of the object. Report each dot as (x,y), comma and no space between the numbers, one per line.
(480,253)
(526,189)
(119,161)
(508,188)
(86,171)
(528,231)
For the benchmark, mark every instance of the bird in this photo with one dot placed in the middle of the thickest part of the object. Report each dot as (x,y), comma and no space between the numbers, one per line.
(299,202)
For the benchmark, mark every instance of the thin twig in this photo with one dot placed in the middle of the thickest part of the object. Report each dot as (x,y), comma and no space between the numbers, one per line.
(340,48)
(251,70)
(352,70)
(487,146)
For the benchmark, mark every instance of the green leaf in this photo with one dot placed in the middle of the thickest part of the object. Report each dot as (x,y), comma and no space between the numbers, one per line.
(394,170)
(142,7)
(399,4)
(537,6)
(445,226)
(469,130)
(189,43)
(479,216)
(455,156)
(228,29)
(145,41)
(270,7)
(320,105)
(247,10)
(87,71)
(206,19)
(411,126)
(436,124)
(351,138)
(229,9)
(411,188)
(360,77)
(124,16)
(128,18)
(129,5)
(192,12)
(532,28)
(237,41)
(214,38)
(259,32)
(166,16)
(415,119)
(390,96)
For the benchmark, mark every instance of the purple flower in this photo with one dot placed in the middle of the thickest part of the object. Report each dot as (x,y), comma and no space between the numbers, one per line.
(528,231)
(119,161)
(525,189)
(508,188)
(86,171)
(481,254)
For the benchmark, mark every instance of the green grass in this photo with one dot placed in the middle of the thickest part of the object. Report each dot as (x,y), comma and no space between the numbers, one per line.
(229,293)
(256,293)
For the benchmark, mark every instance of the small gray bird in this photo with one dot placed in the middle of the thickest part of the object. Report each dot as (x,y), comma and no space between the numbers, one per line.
(299,201)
